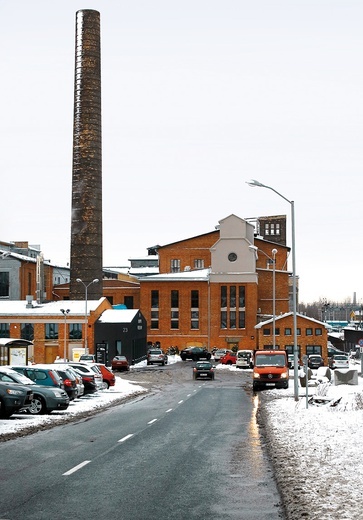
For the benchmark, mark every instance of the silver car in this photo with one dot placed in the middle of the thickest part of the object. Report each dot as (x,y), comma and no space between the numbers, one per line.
(156,355)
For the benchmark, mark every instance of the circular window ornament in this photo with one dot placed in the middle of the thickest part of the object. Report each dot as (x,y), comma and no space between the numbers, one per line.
(232,257)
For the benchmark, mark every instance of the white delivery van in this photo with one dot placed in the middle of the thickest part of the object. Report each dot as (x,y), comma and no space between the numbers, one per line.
(244,359)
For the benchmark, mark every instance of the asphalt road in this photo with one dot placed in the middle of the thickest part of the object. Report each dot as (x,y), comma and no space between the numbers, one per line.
(188,450)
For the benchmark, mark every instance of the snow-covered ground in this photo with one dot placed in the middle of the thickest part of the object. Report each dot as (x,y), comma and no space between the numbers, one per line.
(316,449)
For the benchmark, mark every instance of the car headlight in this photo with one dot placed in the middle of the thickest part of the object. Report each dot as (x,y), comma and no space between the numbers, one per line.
(284,375)
(58,394)
(14,392)
(256,375)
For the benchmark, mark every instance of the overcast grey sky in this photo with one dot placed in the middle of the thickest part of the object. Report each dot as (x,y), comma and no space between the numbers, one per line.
(198,97)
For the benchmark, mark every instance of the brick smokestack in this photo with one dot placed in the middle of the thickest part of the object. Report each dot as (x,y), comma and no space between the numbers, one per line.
(86,226)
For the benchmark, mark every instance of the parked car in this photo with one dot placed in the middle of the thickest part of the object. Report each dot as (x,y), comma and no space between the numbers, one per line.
(291,361)
(244,359)
(14,398)
(219,353)
(91,384)
(195,353)
(46,399)
(270,369)
(69,380)
(339,361)
(120,363)
(107,375)
(204,370)
(89,368)
(315,361)
(156,355)
(79,381)
(228,359)
(40,374)
(87,358)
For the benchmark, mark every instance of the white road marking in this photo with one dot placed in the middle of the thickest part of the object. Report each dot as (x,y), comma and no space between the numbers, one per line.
(154,420)
(76,468)
(180,402)
(126,437)
(170,410)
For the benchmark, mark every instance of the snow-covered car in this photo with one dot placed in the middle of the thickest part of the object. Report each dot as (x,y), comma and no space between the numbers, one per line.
(339,361)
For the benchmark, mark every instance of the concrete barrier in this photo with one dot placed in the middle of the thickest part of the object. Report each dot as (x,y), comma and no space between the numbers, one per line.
(345,376)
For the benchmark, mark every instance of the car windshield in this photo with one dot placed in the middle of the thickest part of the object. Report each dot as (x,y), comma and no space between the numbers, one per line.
(204,366)
(156,352)
(266,360)
(120,358)
(341,358)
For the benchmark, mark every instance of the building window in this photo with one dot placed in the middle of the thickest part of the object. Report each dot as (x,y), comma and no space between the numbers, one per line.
(223,319)
(232,319)
(175,265)
(277,331)
(318,332)
(241,296)
(174,304)
(129,302)
(288,331)
(174,323)
(267,229)
(154,322)
(266,332)
(27,331)
(313,349)
(198,263)
(232,296)
(241,319)
(290,350)
(309,331)
(51,331)
(75,331)
(4,285)
(174,299)
(233,303)
(194,319)
(298,332)
(194,299)
(194,310)
(223,296)
(154,299)
(4,330)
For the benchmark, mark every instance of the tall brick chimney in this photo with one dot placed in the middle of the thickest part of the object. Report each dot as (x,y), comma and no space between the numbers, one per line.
(86,223)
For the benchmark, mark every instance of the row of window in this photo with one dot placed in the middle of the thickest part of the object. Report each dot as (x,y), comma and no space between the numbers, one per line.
(309,331)
(50,331)
(232,308)
(175,264)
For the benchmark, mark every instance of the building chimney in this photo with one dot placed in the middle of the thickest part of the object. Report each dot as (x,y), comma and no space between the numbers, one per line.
(86,222)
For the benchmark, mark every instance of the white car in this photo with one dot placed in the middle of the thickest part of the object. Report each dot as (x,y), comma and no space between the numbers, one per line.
(339,361)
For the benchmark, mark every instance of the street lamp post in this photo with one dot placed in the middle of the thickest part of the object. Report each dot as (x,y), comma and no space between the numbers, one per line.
(65,312)
(96,280)
(273,260)
(255,183)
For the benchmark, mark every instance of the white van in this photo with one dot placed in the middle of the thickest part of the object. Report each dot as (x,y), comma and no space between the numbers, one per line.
(244,359)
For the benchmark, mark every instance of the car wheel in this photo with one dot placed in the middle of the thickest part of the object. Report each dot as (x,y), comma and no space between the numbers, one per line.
(3,413)
(105,385)
(38,406)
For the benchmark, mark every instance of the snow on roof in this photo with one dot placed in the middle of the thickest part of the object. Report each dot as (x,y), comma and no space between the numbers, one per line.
(19,307)
(282,316)
(118,316)
(197,274)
